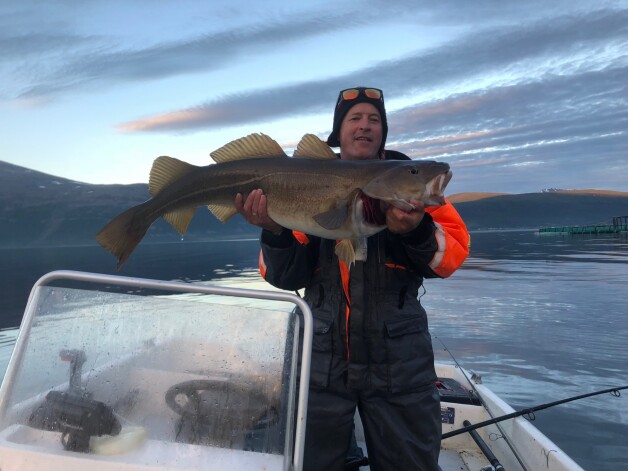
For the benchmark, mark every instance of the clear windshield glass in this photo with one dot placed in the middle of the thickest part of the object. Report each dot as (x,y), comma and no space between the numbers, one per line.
(177,379)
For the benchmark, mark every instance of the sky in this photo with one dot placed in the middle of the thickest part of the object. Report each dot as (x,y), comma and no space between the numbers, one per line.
(517,96)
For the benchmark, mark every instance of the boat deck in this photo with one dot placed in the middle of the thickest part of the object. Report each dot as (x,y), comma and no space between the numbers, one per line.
(452,460)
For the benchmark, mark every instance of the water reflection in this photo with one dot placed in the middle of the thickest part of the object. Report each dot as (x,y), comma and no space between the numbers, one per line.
(544,318)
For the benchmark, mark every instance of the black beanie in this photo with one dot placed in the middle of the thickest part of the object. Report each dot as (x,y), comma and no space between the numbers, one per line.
(342,108)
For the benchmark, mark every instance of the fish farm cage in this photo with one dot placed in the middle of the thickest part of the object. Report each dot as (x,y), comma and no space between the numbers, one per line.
(619,224)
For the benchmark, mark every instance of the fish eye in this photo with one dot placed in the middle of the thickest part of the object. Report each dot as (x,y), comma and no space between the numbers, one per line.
(413,171)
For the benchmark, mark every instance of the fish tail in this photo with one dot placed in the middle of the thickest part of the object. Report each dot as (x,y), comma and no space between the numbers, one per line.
(122,234)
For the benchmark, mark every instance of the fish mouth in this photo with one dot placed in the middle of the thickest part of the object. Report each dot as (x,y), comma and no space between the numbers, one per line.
(374,210)
(441,182)
(436,189)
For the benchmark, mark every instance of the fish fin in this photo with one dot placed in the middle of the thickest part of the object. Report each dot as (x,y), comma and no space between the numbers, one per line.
(248,147)
(311,147)
(345,252)
(223,213)
(165,171)
(122,234)
(332,219)
(180,219)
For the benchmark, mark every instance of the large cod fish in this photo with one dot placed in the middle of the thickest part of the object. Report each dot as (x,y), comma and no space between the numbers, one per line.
(312,192)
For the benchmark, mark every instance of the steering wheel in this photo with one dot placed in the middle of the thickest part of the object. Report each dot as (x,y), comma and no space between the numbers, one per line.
(192,391)
(209,400)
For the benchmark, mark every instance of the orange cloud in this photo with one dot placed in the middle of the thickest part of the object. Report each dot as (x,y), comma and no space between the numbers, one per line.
(173,120)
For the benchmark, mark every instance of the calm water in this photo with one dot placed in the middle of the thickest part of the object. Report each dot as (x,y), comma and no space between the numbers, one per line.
(540,318)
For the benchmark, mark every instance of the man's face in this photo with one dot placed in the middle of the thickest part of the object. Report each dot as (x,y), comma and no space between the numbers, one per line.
(361,133)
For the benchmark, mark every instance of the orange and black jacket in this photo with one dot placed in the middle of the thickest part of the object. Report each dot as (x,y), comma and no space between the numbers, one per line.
(370,330)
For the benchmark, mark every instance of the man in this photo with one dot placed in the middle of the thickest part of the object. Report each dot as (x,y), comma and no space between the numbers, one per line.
(371,348)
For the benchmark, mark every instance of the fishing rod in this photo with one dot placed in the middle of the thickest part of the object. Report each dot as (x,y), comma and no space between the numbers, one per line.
(490,456)
(479,396)
(530,410)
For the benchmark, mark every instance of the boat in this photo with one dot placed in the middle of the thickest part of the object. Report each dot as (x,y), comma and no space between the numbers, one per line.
(111,372)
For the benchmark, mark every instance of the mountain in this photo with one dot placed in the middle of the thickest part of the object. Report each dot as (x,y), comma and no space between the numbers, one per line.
(39,209)
(534,210)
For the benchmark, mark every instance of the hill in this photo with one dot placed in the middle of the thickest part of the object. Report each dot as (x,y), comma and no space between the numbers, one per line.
(38,209)
(474,196)
(534,210)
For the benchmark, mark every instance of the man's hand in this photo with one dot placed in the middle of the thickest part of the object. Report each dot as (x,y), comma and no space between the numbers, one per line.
(399,221)
(254,210)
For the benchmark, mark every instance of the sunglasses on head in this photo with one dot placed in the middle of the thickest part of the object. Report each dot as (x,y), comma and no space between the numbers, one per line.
(353,93)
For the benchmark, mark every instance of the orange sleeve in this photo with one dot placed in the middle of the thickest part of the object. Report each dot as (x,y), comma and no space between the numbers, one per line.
(452,237)
(301,237)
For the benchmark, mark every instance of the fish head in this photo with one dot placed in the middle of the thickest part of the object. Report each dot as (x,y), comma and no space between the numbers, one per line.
(404,181)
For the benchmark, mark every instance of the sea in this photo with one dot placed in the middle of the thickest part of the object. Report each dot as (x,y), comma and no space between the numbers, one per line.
(539,317)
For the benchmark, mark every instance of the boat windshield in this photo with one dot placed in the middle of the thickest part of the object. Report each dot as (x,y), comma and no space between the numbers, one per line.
(153,379)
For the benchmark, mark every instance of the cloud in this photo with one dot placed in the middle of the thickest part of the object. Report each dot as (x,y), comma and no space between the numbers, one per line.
(77,61)
(567,105)
(240,108)
(107,65)
(533,53)
(36,44)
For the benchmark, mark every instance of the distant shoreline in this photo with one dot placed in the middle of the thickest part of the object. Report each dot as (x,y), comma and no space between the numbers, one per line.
(86,244)
(255,237)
